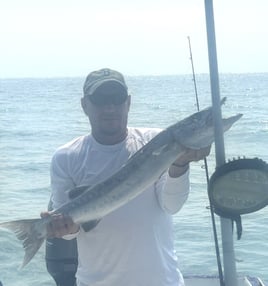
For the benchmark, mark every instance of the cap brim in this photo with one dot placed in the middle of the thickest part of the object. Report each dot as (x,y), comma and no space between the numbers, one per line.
(98,84)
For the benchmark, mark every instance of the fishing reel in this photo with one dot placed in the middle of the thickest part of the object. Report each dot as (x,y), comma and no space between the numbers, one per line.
(239,187)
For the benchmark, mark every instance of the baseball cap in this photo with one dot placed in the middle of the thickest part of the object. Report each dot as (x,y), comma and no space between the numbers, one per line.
(98,78)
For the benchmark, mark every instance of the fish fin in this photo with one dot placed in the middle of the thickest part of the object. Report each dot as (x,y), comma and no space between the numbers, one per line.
(89,225)
(77,191)
(31,232)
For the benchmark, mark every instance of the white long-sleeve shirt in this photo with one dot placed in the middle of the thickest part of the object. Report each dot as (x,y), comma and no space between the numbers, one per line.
(133,245)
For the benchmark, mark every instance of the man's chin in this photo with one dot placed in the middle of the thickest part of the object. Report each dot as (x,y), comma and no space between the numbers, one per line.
(111,130)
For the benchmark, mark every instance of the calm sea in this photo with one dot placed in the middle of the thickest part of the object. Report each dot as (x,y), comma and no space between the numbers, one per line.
(38,115)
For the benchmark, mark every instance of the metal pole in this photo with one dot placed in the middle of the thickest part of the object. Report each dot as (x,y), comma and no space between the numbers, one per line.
(230,275)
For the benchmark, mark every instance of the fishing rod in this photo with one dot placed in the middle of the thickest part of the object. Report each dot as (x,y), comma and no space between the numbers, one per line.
(207,178)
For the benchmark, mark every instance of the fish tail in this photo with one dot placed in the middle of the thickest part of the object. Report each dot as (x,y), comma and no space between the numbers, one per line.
(228,122)
(31,232)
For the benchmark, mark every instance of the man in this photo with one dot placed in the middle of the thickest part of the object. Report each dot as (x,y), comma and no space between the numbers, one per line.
(133,245)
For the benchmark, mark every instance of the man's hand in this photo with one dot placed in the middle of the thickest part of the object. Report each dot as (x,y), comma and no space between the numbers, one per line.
(60,225)
(193,156)
(181,165)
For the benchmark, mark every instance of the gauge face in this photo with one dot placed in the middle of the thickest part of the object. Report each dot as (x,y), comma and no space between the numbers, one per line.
(240,186)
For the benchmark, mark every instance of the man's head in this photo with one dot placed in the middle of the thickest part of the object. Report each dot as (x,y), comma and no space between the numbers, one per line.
(106,103)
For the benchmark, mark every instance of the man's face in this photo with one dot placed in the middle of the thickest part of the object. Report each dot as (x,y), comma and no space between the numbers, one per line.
(107,112)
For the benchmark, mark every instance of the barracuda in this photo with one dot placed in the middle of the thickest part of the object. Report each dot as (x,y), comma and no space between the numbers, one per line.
(90,204)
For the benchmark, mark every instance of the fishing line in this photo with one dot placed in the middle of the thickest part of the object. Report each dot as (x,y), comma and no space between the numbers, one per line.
(207,178)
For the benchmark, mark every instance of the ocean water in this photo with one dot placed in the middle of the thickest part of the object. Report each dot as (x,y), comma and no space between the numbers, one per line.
(38,115)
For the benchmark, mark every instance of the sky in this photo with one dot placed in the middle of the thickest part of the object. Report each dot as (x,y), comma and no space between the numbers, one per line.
(52,38)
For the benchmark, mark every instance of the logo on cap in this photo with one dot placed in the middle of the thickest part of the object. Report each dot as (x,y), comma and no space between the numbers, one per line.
(106,72)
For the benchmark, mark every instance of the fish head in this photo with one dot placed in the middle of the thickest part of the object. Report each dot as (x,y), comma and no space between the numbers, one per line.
(197,130)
